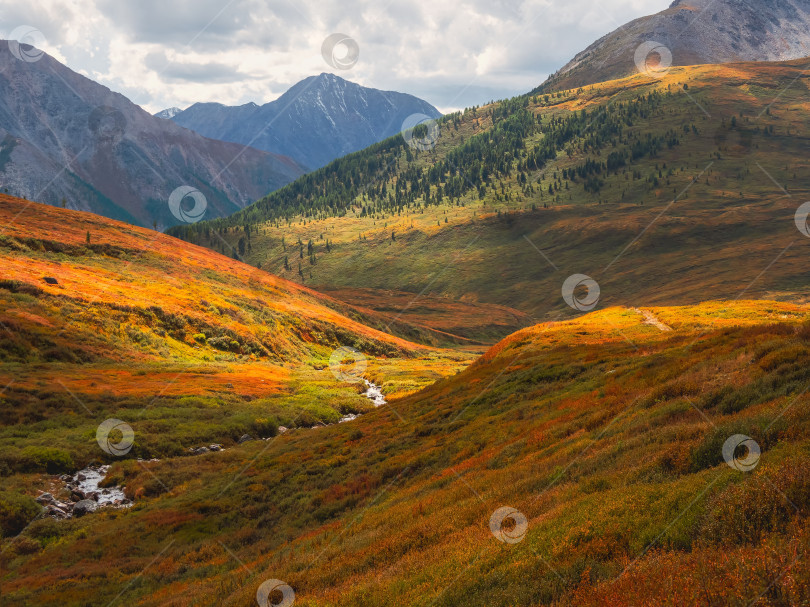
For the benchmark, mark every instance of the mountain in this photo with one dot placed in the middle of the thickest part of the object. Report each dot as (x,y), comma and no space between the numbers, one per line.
(168,113)
(319,119)
(651,187)
(66,139)
(693,32)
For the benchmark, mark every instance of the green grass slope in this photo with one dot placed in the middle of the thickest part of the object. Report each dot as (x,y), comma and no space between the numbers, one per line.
(605,434)
(665,190)
(187,346)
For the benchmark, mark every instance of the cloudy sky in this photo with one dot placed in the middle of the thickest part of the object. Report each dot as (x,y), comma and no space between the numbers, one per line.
(453,53)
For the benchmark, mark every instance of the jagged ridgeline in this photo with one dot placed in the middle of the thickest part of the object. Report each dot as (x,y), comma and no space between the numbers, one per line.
(392,176)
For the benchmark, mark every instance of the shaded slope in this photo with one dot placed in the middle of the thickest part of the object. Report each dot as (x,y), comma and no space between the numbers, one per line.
(66,139)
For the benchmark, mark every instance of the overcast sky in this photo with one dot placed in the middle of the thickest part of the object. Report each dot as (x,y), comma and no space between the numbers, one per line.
(453,53)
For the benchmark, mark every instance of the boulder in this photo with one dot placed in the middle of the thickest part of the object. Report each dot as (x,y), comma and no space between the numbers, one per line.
(282,429)
(245,438)
(84,507)
(57,512)
(215,447)
(45,498)
(199,450)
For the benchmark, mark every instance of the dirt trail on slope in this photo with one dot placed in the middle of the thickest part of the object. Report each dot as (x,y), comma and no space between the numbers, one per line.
(652,319)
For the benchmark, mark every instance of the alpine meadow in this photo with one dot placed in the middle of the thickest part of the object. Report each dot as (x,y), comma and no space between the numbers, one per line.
(475,304)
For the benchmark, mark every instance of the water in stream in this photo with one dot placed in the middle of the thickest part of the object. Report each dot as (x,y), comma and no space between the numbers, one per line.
(374,394)
(87,481)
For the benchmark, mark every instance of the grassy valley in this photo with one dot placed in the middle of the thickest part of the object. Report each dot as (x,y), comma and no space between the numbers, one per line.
(605,432)
(188,346)
(629,181)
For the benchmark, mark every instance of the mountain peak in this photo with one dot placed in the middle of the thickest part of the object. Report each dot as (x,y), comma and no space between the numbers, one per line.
(695,32)
(328,76)
(323,81)
(168,113)
(317,120)
(48,113)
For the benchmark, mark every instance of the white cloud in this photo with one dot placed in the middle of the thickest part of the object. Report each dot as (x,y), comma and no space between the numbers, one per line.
(453,53)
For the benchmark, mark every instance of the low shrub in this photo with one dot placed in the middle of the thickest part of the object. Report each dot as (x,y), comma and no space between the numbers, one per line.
(744,513)
(16,511)
(46,459)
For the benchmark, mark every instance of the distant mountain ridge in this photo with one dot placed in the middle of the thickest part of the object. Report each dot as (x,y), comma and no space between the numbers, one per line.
(65,139)
(318,120)
(696,32)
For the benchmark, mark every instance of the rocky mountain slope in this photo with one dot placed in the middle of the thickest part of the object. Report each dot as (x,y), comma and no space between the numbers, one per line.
(65,139)
(319,119)
(694,32)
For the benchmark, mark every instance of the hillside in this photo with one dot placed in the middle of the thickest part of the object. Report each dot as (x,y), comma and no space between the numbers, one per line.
(141,325)
(653,187)
(693,32)
(603,436)
(318,120)
(68,141)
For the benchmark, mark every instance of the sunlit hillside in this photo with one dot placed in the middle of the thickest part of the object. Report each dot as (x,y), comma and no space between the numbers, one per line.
(603,437)
(652,186)
(546,351)
(198,347)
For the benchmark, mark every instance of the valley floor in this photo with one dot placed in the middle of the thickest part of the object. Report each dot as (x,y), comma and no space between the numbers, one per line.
(583,462)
